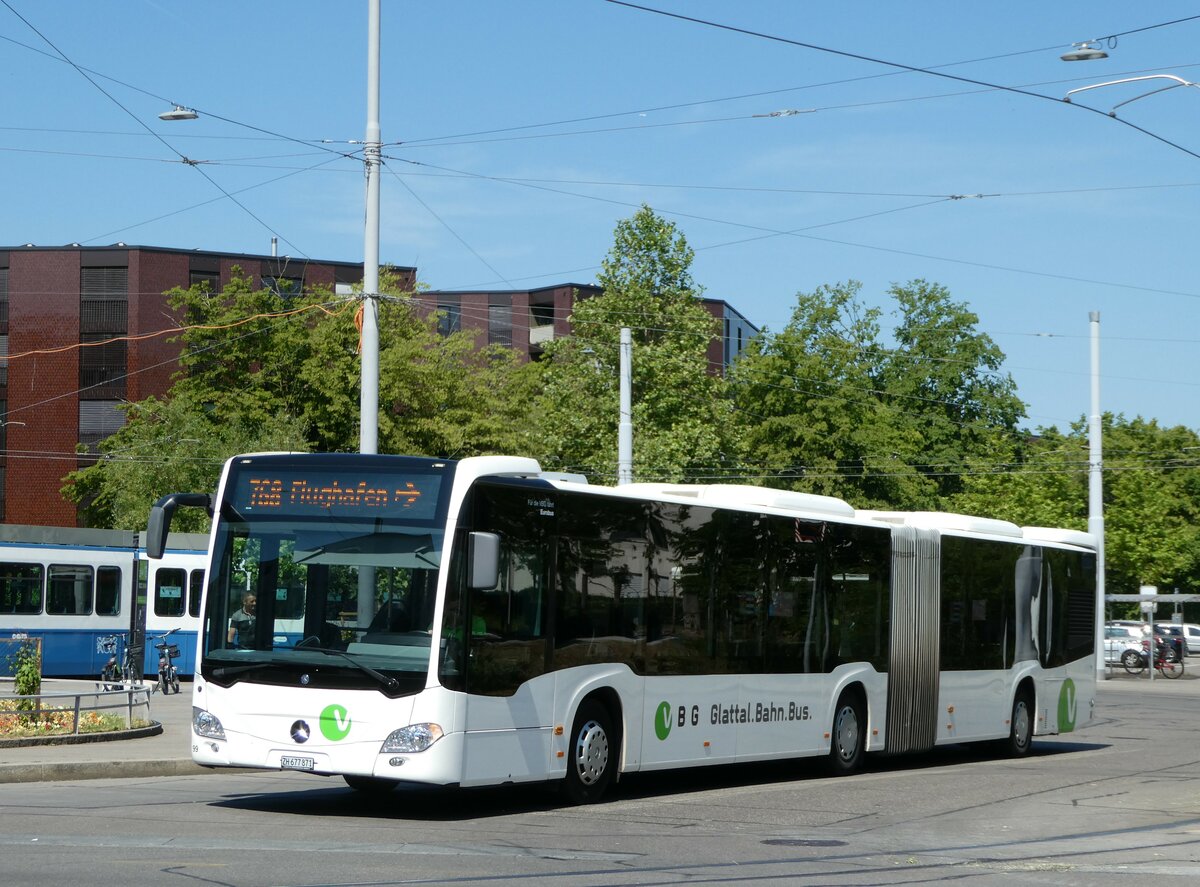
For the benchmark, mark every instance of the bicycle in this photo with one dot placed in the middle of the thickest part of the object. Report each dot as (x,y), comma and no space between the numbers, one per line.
(121,665)
(168,674)
(1168,664)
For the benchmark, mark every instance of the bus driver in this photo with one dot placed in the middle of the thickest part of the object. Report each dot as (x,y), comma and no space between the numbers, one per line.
(241,624)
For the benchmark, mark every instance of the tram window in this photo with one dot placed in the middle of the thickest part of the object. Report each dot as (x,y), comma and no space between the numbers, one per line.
(20,588)
(70,591)
(108,591)
(168,592)
(195,590)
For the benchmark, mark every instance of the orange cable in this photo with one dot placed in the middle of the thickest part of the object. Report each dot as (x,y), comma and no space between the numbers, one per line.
(177,329)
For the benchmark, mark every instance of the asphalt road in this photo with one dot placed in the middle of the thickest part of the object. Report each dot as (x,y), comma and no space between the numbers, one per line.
(1117,803)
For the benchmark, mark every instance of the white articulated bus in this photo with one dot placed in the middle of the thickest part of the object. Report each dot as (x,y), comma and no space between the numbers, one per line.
(479,622)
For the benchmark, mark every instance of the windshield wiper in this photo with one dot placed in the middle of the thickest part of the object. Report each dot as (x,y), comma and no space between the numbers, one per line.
(388,683)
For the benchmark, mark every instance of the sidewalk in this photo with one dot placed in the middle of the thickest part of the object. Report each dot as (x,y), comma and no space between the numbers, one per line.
(168,753)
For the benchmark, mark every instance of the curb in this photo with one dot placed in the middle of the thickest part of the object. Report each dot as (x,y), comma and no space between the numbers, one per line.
(68,771)
(154,729)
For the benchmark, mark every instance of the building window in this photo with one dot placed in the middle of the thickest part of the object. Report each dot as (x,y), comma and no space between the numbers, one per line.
(102,367)
(500,321)
(209,281)
(284,287)
(4,301)
(449,318)
(104,282)
(99,419)
(103,315)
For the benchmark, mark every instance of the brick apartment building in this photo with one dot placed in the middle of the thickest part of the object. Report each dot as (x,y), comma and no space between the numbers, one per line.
(53,298)
(527,319)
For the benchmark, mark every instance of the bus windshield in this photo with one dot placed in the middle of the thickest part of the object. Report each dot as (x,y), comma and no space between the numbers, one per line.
(325,576)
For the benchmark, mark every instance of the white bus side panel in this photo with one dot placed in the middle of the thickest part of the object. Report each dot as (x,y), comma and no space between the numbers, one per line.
(508,738)
(973,705)
(1065,697)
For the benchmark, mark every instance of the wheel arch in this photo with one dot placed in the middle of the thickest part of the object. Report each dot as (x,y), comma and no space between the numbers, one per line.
(607,696)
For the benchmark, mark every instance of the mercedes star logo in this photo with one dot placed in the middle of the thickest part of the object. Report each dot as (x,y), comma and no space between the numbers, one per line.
(300,731)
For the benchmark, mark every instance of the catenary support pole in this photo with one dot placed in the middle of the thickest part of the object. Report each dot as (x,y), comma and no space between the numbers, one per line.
(1096,492)
(368,410)
(368,406)
(625,428)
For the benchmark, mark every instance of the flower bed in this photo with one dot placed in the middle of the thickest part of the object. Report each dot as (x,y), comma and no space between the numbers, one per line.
(18,720)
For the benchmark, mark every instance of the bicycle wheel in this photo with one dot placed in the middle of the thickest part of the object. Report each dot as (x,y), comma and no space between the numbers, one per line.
(1134,662)
(1172,669)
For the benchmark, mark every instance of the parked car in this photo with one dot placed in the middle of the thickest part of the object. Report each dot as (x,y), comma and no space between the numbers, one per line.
(1122,644)
(1189,632)
(1171,636)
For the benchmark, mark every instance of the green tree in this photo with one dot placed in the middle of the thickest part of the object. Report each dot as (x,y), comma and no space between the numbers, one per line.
(264,371)
(830,409)
(813,416)
(681,427)
(947,379)
(1151,497)
(171,445)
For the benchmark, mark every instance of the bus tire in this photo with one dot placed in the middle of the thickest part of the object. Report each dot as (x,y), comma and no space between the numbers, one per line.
(1020,729)
(592,754)
(848,737)
(370,785)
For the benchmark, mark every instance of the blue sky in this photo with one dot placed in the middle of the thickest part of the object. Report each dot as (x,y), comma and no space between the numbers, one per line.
(527,129)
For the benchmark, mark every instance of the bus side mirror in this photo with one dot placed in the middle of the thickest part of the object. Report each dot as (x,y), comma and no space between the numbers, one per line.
(161,512)
(483,554)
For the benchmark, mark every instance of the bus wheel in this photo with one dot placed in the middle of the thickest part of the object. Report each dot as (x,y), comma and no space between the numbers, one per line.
(1020,731)
(370,785)
(848,739)
(591,758)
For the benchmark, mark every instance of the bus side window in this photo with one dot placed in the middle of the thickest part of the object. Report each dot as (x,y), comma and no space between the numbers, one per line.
(512,647)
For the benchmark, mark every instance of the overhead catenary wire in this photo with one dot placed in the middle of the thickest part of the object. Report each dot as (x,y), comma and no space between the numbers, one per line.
(182,158)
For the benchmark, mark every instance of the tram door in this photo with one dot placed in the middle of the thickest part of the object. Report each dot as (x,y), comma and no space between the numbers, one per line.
(137,611)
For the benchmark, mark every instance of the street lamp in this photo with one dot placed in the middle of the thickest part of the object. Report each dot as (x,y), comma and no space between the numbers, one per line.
(1087,51)
(179,112)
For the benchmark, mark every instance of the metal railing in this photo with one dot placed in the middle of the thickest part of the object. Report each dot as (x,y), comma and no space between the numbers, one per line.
(51,714)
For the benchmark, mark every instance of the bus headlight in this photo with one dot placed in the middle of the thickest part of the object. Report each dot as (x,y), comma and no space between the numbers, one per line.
(206,724)
(411,739)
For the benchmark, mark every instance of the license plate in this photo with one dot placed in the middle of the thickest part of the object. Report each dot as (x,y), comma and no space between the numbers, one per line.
(287,762)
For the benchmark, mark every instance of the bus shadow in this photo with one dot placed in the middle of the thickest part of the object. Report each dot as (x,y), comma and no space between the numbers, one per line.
(335,799)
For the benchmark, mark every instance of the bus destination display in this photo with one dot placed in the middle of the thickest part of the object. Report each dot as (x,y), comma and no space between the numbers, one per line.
(412,497)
